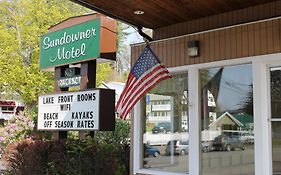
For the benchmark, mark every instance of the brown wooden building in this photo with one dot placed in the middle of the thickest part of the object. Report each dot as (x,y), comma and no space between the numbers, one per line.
(236,70)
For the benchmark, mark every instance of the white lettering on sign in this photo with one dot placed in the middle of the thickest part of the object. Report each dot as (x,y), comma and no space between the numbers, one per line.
(69,111)
(68,38)
(63,54)
(66,82)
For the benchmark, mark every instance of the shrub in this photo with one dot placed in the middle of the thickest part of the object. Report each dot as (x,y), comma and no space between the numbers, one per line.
(79,157)
(119,137)
(26,157)
(107,153)
(16,129)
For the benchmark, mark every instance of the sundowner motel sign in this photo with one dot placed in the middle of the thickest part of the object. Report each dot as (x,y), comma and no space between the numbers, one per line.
(70,45)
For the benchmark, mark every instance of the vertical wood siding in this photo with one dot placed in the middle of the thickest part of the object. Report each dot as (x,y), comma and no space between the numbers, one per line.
(240,16)
(236,42)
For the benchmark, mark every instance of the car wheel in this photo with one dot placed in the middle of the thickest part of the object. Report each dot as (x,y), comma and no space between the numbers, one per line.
(156,154)
(228,148)
(206,149)
(183,152)
(243,147)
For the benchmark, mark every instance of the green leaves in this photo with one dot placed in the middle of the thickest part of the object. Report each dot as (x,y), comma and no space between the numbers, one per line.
(119,137)
(104,72)
(22,23)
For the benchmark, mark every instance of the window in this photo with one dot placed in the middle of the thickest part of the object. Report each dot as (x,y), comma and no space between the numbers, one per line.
(227,120)
(7,109)
(275,89)
(165,137)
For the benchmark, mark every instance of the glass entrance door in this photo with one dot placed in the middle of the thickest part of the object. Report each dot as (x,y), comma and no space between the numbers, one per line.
(275,101)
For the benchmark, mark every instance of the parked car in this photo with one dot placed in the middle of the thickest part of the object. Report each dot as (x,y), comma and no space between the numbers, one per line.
(178,147)
(161,127)
(151,151)
(228,143)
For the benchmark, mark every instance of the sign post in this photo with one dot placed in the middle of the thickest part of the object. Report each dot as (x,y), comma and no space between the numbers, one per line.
(59,72)
(80,40)
(88,74)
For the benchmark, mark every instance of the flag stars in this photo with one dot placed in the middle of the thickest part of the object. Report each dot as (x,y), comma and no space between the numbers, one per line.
(145,62)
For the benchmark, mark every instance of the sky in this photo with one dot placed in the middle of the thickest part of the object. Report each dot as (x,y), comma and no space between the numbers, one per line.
(235,85)
(133,37)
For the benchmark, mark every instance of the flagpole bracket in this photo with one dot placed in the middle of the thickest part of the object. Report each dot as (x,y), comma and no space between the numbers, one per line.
(144,35)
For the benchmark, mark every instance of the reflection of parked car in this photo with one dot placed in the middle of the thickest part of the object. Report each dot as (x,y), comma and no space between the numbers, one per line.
(228,143)
(151,151)
(206,146)
(248,137)
(184,125)
(178,147)
(161,127)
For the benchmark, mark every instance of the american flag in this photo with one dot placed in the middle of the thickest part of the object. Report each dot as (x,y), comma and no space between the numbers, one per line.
(145,74)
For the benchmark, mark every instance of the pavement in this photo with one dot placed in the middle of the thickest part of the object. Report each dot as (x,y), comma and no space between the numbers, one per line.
(234,162)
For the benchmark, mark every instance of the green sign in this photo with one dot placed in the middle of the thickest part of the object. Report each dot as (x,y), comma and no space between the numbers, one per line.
(70,45)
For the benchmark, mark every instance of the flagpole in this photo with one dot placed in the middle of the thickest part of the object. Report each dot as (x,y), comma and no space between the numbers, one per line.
(205,109)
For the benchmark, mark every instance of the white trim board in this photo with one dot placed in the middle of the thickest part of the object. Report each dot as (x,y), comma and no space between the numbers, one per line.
(230,62)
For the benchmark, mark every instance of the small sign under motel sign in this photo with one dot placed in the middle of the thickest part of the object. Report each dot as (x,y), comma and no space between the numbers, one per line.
(83,110)
(69,81)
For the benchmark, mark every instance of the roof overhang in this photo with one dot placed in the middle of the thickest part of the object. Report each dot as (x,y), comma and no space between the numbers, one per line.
(160,13)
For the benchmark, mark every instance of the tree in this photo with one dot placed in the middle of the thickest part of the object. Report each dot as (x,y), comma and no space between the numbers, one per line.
(22,22)
(112,71)
(122,59)
(104,72)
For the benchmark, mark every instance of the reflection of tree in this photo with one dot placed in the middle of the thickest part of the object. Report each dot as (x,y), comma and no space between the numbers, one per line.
(211,85)
(180,97)
(247,104)
(175,87)
(275,90)
(275,86)
(205,76)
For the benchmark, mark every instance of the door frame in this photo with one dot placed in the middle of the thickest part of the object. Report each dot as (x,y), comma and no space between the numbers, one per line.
(262,112)
(269,118)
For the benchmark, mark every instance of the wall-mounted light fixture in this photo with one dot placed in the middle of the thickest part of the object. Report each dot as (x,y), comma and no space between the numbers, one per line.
(193,48)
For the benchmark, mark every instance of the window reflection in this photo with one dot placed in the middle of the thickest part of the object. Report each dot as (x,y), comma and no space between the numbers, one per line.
(275,92)
(165,137)
(227,120)
(276,147)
